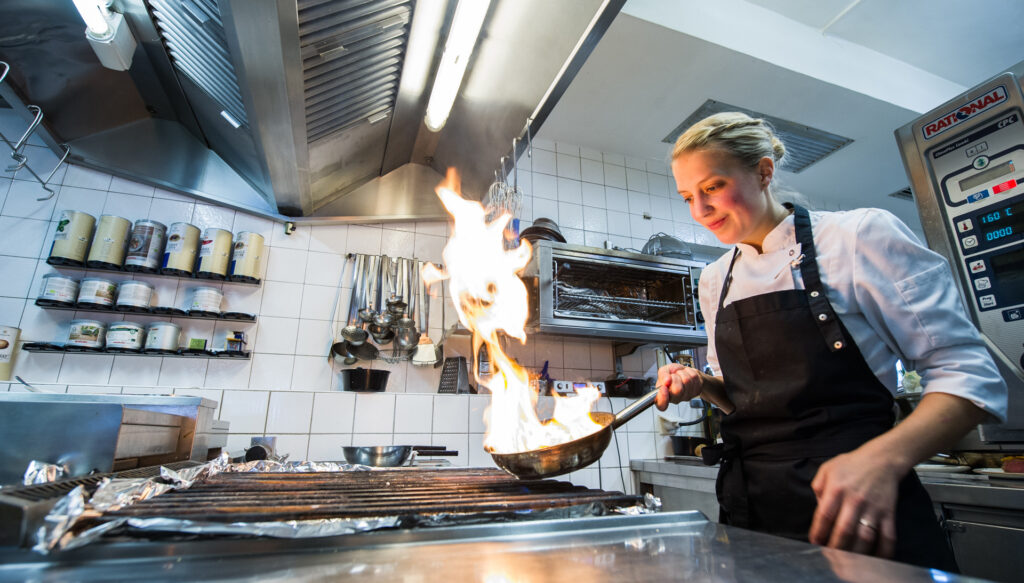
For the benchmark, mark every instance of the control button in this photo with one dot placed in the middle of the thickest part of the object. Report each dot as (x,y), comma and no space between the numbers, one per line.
(976,266)
(964,225)
(977,196)
(980,162)
(1004,186)
(981,147)
(1013,315)
(982,283)
(970,242)
(988,301)
(971,152)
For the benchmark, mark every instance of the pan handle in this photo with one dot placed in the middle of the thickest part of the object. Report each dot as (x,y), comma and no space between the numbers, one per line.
(638,406)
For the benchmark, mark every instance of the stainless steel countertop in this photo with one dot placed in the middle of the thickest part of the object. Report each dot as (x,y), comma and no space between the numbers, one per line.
(660,547)
(131,400)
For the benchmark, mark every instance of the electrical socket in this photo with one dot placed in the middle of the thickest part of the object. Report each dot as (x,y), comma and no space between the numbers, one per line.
(567,387)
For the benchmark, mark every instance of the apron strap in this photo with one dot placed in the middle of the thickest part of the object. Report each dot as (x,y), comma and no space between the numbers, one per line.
(728,279)
(824,316)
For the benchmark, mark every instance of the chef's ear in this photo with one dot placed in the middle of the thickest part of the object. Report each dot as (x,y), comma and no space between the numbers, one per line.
(766,168)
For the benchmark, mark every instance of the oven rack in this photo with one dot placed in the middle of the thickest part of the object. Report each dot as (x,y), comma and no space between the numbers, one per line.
(599,306)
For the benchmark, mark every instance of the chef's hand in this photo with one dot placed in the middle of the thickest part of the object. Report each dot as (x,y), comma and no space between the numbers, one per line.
(856,504)
(677,383)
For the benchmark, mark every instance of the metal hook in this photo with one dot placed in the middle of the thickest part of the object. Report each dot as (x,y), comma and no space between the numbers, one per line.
(31,128)
(504,175)
(7,69)
(67,151)
(515,167)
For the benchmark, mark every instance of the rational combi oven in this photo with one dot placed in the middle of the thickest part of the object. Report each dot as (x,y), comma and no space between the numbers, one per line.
(632,297)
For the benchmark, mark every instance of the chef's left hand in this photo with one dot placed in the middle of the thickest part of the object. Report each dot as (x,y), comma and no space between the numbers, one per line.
(857,495)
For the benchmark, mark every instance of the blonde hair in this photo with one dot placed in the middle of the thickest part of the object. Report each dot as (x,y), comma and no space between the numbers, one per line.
(746,138)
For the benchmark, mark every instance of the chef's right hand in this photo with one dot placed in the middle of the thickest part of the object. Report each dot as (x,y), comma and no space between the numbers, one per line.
(677,383)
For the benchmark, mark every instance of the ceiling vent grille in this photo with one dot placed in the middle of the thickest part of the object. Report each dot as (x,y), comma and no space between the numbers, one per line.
(193,32)
(903,194)
(352,53)
(804,145)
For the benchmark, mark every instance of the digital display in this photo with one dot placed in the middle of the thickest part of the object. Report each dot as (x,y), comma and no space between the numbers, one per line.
(1008,273)
(1002,222)
(986,176)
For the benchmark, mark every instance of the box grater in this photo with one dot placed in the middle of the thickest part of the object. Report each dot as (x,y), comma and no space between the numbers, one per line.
(454,376)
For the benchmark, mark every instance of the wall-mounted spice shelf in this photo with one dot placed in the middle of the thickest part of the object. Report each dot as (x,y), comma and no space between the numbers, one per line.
(167,312)
(180,353)
(59,263)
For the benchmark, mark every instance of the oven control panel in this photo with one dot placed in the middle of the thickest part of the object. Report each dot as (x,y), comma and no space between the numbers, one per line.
(980,174)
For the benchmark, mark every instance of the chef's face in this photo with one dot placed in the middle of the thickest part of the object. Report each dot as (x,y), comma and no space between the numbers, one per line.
(728,199)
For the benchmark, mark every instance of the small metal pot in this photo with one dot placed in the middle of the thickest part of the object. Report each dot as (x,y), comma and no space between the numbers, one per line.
(386,456)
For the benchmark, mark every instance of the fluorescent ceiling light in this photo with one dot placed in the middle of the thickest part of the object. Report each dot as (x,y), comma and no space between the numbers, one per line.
(95,15)
(469,17)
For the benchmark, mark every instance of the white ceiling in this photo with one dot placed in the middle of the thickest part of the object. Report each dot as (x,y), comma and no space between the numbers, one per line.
(880,65)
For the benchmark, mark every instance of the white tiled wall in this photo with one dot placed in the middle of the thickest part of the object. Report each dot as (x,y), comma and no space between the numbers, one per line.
(289,388)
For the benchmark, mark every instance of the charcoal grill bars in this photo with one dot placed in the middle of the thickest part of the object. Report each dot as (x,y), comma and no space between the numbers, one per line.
(262,497)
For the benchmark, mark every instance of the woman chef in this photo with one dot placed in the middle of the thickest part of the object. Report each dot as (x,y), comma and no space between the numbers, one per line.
(806,318)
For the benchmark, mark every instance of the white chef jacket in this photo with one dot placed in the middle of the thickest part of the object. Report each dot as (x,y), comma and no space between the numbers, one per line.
(895,296)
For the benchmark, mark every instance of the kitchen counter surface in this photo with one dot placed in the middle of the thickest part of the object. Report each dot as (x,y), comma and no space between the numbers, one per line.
(656,547)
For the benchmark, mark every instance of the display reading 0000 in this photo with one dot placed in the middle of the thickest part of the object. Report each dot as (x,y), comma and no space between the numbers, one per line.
(1003,222)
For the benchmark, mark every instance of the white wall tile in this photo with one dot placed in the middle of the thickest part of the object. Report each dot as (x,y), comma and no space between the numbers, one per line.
(242,298)
(397,243)
(294,446)
(543,208)
(414,414)
(129,206)
(543,162)
(375,412)
(11,310)
(428,247)
(86,200)
(289,412)
(372,439)
(245,410)
(297,239)
(317,301)
(23,237)
(169,212)
(590,154)
(17,274)
(617,199)
(333,412)
(570,190)
(592,171)
(568,166)
(315,337)
(573,236)
(570,216)
(595,219)
(454,441)
(477,455)
(545,186)
(614,176)
(364,239)
(639,202)
(253,224)
(85,369)
(311,373)
(478,405)
(91,390)
(126,186)
(593,195)
(134,370)
(636,163)
(281,299)
(327,448)
(276,335)
(611,158)
(183,372)
(228,373)
(86,178)
(451,414)
(271,371)
(422,379)
(287,265)
(618,223)
(639,227)
(37,367)
(21,201)
(661,207)
(328,238)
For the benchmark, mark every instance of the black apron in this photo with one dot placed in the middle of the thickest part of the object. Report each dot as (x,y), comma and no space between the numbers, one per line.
(802,394)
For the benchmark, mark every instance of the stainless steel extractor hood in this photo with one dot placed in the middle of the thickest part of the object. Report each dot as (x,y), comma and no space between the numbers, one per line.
(307,109)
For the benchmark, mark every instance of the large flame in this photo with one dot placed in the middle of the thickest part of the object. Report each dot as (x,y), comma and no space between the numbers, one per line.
(491,299)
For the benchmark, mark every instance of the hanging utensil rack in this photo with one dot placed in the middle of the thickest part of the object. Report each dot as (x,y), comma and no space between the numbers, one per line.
(18,148)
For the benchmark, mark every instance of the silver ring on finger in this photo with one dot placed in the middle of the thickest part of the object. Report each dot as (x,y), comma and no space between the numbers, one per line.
(867,523)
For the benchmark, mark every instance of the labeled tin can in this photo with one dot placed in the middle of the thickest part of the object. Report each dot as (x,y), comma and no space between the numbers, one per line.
(181,249)
(96,292)
(71,238)
(8,341)
(134,296)
(246,256)
(109,242)
(57,290)
(214,254)
(146,246)
(162,337)
(87,333)
(205,301)
(125,336)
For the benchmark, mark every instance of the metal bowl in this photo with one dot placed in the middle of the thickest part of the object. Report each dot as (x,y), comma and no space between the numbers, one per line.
(382,456)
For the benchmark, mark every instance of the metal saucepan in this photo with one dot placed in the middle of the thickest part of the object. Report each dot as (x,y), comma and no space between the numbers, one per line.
(390,456)
(571,455)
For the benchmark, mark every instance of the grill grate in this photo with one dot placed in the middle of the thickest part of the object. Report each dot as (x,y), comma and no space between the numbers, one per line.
(259,497)
(352,53)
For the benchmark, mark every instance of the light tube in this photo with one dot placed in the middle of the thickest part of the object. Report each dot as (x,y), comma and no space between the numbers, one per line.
(469,17)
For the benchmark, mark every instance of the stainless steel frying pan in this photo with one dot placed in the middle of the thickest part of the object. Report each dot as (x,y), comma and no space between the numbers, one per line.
(571,455)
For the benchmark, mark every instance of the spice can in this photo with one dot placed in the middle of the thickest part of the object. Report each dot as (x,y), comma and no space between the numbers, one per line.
(8,341)
(58,290)
(205,301)
(146,246)
(181,249)
(162,337)
(109,242)
(96,292)
(125,336)
(134,295)
(71,238)
(214,254)
(87,333)
(246,256)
